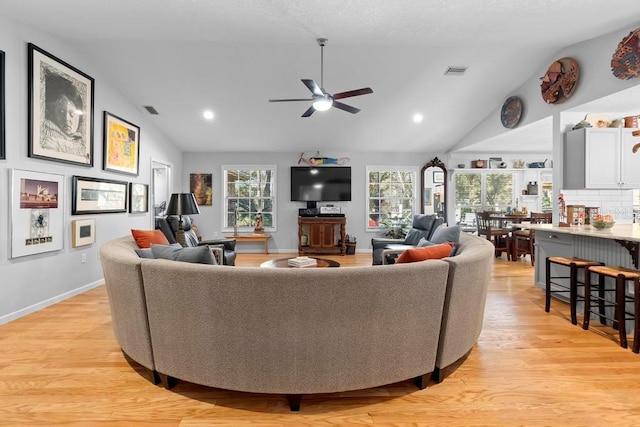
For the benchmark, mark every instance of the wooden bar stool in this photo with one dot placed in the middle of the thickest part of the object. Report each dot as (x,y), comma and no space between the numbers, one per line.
(621,275)
(574,265)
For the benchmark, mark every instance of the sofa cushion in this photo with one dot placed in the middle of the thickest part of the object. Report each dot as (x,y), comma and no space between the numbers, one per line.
(146,252)
(144,238)
(199,254)
(438,251)
(414,235)
(423,243)
(446,234)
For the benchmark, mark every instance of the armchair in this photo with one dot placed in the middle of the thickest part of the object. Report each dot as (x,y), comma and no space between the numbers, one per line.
(422,226)
(169,226)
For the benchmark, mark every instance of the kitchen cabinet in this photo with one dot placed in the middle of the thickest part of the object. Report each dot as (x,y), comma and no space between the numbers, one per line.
(601,158)
(318,235)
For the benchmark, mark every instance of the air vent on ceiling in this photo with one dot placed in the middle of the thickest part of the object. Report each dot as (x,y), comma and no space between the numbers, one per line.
(455,71)
(151,110)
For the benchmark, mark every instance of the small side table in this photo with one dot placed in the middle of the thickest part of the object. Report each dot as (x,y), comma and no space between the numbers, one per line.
(256,237)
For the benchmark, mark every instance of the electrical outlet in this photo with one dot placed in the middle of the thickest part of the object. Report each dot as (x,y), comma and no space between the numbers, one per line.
(83,258)
(215,234)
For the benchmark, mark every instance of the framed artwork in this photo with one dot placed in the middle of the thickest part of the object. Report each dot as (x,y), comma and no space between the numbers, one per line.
(138,198)
(83,232)
(60,110)
(2,114)
(121,145)
(96,196)
(37,214)
(200,184)
(427,197)
(438,177)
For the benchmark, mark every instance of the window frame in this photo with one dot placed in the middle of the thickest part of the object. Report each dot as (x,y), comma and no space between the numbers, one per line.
(483,186)
(414,170)
(225,195)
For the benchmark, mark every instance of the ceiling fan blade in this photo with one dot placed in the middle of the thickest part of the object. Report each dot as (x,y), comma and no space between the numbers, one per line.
(292,99)
(309,112)
(313,87)
(345,107)
(363,91)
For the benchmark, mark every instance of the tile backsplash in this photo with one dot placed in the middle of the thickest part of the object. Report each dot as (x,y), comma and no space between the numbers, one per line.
(618,203)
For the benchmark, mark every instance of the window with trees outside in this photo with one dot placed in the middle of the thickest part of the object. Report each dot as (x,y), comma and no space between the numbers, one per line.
(247,191)
(476,191)
(390,196)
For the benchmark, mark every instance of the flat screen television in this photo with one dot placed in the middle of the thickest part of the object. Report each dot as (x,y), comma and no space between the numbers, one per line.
(320,184)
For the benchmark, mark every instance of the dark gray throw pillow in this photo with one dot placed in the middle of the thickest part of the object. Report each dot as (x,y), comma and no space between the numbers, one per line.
(199,254)
(146,252)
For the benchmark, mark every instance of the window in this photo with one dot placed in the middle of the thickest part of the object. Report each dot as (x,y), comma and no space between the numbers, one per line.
(390,196)
(247,191)
(476,191)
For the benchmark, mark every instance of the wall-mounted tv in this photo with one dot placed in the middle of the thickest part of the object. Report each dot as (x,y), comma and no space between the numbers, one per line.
(320,184)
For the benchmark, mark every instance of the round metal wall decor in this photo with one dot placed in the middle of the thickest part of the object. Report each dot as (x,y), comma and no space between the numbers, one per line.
(559,81)
(511,112)
(625,62)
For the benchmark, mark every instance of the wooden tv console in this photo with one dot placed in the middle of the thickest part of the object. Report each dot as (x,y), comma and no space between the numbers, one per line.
(321,235)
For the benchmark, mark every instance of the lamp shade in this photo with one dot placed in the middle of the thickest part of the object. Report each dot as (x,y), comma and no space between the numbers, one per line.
(182,204)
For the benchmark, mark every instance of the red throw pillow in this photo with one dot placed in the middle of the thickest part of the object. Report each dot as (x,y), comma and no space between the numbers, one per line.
(441,250)
(144,238)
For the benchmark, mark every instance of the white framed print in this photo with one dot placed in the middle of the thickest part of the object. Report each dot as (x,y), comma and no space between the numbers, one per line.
(83,232)
(37,214)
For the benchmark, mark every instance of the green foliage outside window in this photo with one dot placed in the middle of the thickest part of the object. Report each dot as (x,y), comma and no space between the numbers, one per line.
(247,193)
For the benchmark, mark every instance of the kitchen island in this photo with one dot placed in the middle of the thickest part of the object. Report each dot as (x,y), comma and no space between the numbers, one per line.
(617,246)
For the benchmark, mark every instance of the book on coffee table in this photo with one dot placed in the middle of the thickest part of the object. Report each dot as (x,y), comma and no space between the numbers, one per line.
(302,261)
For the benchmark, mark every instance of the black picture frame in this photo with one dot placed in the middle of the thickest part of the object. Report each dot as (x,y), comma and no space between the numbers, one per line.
(121,145)
(438,177)
(61,104)
(3,154)
(138,198)
(98,196)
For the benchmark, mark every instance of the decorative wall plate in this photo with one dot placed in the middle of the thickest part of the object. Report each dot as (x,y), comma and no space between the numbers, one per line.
(625,62)
(559,81)
(511,112)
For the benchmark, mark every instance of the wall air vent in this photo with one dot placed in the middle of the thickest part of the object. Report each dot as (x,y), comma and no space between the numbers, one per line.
(151,110)
(455,71)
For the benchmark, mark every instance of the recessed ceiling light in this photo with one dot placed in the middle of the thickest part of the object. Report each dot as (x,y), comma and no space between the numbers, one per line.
(208,114)
(417,118)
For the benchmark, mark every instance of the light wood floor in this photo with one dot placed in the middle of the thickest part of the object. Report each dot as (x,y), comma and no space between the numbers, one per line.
(62,366)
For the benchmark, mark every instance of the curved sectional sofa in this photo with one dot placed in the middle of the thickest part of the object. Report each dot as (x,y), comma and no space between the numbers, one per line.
(297,331)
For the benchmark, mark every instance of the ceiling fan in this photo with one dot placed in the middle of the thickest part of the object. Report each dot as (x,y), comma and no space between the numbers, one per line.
(322,100)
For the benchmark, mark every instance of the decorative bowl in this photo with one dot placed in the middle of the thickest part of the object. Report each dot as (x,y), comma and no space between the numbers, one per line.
(601,225)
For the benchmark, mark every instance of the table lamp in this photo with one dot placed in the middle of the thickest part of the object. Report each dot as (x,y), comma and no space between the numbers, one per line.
(182,204)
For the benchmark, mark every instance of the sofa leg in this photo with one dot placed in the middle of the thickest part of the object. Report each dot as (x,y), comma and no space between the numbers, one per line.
(437,375)
(167,381)
(294,402)
(421,381)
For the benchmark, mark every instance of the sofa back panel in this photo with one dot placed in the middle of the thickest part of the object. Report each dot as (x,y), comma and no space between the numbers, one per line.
(294,330)
(468,281)
(123,279)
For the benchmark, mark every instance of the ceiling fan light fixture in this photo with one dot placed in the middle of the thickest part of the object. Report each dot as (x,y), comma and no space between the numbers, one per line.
(322,104)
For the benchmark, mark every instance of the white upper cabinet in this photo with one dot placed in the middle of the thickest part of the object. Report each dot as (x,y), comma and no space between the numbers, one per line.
(601,158)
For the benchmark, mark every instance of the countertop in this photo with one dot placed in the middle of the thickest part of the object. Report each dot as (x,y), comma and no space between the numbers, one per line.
(629,232)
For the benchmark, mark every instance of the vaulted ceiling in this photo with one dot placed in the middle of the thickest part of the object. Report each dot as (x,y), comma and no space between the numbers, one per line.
(231,56)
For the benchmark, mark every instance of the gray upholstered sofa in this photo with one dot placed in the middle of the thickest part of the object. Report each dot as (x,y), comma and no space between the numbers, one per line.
(297,331)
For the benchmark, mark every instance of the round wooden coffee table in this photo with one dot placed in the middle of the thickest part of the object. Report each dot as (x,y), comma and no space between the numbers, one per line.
(284,263)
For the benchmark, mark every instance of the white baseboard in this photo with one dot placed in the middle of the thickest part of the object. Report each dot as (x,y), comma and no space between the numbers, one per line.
(46,303)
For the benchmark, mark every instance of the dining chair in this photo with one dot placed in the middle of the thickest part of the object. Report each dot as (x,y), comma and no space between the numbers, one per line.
(523,240)
(498,236)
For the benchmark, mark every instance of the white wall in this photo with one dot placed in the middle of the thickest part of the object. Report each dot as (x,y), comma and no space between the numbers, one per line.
(209,221)
(32,282)
(595,81)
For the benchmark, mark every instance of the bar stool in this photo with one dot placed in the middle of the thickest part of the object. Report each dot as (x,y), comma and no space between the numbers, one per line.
(621,275)
(574,265)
